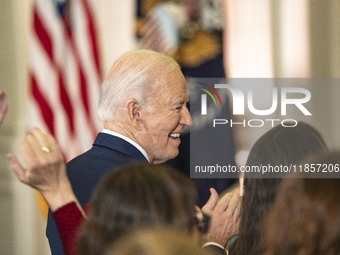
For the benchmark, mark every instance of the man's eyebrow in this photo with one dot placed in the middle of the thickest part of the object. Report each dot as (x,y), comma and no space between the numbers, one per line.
(184,101)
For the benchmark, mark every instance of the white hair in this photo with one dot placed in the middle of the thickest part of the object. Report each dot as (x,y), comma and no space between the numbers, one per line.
(133,75)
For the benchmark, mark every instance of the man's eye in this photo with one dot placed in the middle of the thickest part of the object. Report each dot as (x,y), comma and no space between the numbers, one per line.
(179,108)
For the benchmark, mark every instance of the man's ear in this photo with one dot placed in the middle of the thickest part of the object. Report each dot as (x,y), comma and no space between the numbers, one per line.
(134,113)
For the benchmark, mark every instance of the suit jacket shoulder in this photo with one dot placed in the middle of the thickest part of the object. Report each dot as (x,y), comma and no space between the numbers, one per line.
(107,154)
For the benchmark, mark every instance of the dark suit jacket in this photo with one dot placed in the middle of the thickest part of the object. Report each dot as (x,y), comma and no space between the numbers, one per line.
(84,171)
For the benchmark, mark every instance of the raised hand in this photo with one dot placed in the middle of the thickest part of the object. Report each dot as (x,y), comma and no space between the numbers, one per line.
(44,168)
(224,213)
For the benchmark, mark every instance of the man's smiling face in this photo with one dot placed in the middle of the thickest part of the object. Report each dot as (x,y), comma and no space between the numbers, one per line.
(165,118)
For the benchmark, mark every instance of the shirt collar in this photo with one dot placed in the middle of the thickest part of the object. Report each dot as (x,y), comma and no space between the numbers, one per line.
(110,132)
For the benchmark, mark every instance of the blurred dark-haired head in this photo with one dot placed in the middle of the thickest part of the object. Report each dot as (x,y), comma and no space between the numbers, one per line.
(287,145)
(137,196)
(305,218)
(279,146)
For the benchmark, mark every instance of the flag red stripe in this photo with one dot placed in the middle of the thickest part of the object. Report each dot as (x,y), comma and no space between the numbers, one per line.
(45,109)
(66,102)
(92,38)
(43,35)
(84,96)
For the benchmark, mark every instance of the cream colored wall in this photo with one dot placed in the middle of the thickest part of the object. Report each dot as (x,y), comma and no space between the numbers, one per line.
(22,225)
(16,214)
(319,34)
(304,39)
(325,62)
(116,21)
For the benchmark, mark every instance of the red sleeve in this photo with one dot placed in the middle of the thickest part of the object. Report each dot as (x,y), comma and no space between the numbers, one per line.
(68,219)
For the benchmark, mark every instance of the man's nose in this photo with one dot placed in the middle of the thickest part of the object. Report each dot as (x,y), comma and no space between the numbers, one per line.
(186,117)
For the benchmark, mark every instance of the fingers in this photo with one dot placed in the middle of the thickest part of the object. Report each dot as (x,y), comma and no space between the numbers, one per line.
(234,203)
(236,215)
(212,201)
(238,207)
(32,151)
(15,165)
(223,203)
(28,153)
(44,139)
(224,216)
(48,141)
(229,203)
(41,147)
(34,156)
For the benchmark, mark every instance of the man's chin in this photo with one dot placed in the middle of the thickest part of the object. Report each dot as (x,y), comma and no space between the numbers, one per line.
(169,157)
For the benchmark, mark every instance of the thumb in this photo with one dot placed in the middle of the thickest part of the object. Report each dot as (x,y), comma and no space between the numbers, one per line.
(212,201)
(16,167)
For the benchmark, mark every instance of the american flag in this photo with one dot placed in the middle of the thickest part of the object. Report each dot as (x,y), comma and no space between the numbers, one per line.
(64,73)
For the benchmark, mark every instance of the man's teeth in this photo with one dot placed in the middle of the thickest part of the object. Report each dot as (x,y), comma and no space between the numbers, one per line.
(175,135)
